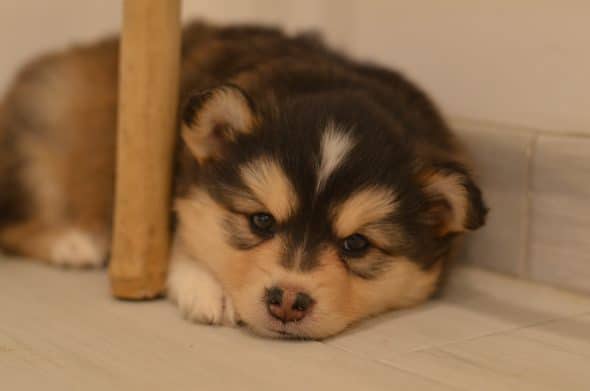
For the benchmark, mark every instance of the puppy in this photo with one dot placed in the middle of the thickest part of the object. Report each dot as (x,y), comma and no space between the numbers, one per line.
(311,191)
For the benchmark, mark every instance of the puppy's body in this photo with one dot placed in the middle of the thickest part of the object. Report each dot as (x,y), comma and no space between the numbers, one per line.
(311,190)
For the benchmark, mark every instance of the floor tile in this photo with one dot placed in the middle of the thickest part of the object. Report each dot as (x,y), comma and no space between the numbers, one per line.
(62,331)
(502,362)
(570,334)
(476,303)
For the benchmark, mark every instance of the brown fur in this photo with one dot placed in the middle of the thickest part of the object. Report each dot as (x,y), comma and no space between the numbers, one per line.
(61,115)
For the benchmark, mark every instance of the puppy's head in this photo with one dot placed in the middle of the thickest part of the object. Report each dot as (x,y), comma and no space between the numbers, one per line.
(317,213)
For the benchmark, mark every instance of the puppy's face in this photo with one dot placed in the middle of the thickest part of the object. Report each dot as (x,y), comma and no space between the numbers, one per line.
(318,214)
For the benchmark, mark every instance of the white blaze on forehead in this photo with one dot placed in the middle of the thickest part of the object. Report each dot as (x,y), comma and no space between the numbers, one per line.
(269,183)
(335,145)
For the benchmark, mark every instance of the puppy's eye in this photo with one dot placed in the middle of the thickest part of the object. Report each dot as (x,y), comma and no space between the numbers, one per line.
(263,224)
(355,245)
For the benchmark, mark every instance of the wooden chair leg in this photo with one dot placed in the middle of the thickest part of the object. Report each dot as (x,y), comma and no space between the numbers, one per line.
(148,104)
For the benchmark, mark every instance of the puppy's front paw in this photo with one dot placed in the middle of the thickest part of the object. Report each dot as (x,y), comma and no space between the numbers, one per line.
(76,248)
(198,295)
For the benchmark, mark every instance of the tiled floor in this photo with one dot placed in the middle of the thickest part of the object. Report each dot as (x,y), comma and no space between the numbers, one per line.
(59,330)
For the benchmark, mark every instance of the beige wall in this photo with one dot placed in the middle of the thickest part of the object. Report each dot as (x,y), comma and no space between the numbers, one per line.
(524,62)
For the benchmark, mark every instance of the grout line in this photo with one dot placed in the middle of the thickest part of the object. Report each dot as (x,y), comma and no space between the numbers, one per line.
(461,121)
(499,332)
(390,365)
(561,290)
(420,375)
(553,345)
(441,346)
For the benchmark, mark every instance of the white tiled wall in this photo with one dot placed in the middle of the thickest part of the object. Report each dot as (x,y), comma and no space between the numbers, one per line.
(560,206)
(537,185)
(502,161)
(513,76)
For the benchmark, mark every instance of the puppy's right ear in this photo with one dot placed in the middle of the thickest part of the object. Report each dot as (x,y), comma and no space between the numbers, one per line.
(454,202)
(213,118)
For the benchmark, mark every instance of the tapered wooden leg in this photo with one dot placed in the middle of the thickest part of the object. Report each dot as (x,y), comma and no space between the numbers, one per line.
(148,103)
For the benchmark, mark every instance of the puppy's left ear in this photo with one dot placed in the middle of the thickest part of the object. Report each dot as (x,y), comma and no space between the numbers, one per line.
(454,202)
(213,118)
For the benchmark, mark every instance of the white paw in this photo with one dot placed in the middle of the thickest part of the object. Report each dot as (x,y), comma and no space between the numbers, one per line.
(77,248)
(197,293)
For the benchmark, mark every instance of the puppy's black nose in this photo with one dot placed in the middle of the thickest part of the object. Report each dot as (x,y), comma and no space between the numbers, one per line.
(288,304)
(274,296)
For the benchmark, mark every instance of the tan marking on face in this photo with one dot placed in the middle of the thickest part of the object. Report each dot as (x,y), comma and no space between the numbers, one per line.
(242,201)
(403,284)
(328,286)
(341,298)
(335,145)
(200,228)
(267,180)
(364,207)
(383,235)
(298,256)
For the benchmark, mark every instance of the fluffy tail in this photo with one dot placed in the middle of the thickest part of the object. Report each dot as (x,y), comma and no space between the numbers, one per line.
(4,181)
